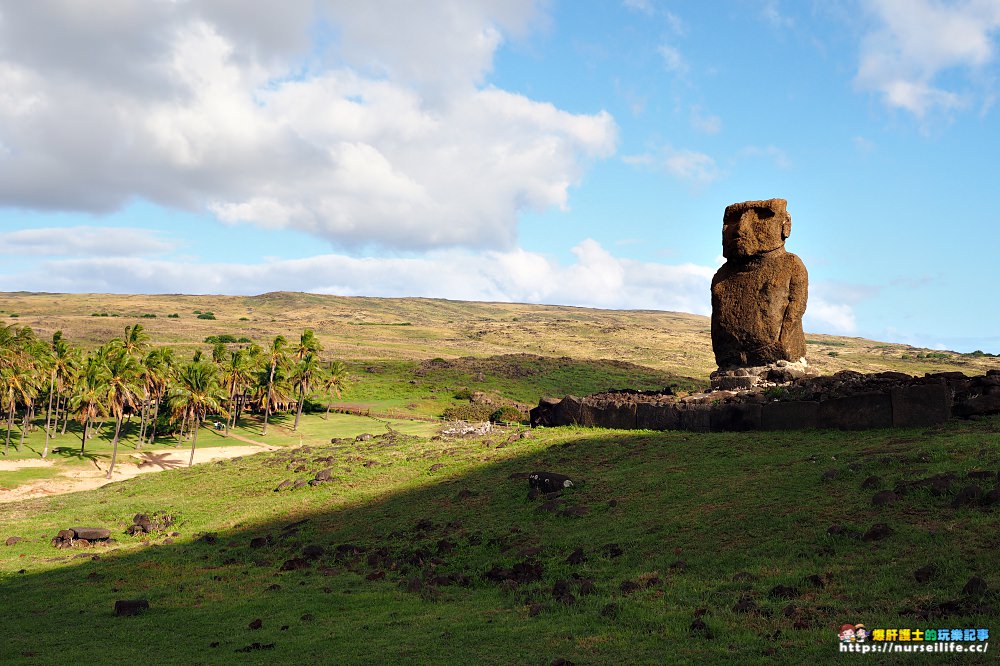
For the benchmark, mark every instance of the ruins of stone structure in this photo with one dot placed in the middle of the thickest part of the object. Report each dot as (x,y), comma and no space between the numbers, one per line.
(758,299)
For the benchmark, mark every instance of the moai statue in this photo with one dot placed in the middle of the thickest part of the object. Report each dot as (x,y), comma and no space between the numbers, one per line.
(759,294)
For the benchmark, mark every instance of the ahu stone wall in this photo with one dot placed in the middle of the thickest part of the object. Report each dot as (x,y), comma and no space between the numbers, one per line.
(847,401)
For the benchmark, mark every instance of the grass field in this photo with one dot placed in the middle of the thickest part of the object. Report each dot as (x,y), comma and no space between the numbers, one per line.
(731,529)
(672,547)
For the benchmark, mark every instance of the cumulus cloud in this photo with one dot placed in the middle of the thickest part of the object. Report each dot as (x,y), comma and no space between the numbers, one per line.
(915,41)
(362,123)
(690,166)
(83,241)
(826,317)
(595,278)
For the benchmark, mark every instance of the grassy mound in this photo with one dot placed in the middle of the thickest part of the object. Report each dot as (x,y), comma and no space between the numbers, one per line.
(671,548)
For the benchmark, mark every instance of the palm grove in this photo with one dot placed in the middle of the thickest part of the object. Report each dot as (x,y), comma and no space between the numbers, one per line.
(50,385)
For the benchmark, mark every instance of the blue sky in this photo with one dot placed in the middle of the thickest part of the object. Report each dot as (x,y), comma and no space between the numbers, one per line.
(574,153)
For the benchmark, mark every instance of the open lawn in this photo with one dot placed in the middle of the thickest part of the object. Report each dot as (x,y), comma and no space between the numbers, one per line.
(428,551)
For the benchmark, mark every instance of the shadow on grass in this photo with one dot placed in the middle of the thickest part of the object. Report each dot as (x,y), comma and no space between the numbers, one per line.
(71,452)
(438,556)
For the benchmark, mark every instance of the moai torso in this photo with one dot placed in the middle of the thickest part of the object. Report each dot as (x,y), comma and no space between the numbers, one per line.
(759,295)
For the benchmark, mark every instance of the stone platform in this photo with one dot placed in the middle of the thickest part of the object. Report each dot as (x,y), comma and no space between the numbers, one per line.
(847,401)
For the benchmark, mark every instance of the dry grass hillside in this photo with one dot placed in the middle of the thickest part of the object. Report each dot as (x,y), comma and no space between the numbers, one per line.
(416,328)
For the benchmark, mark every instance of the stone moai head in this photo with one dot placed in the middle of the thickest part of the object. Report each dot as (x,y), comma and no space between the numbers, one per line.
(752,228)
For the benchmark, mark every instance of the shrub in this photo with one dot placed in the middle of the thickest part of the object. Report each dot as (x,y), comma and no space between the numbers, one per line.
(197,311)
(206,315)
(507,415)
(225,338)
(464,393)
(244,318)
(173,316)
(468,413)
(149,315)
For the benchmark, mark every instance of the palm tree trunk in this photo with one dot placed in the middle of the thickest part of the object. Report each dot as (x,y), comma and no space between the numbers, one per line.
(152,428)
(10,424)
(180,435)
(114,446)
(142,424)
(298,411)
(48,415)
(24,427)
(65,418)
(267,405)
(83,440)
(194,440)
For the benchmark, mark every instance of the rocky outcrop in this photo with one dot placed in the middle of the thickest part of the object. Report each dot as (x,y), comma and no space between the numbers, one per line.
(847,401)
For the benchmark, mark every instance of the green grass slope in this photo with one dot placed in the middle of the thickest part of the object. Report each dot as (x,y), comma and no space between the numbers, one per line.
(427,550)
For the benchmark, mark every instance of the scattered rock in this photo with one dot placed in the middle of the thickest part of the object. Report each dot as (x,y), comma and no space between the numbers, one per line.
(253,647)
(287,483)
(628,586)
(992,498)
(783,592)
(975,587)
(679,565)
(324,475)
(610,610)
(611,550)
(925,573)
(576,557)
(436,467)
(744,577)
(12,540)
(91,533)
(884,498)
(745,604)
(258,542)
(534,609)
(816,580)
(295,564)
(575,511)
(313,551)
(967,496)
(877,532)
(131,606)
(871,482)
(699,628)
(830,475)
(255,624)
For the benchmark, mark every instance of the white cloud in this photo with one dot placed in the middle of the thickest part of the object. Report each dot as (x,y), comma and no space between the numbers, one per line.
(644,6)
(916,41)
(595,278)
(777,156)
(83,241)
(772,14)
(673,59)
(825,317)
(386,137)
(689,166)
(706,123)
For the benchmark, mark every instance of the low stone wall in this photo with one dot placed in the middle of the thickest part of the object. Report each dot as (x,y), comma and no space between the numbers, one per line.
(847,401)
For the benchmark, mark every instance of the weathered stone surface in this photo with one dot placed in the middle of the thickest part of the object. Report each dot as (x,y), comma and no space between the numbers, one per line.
(696,417)
(856,412)
(792,415)
(657,416)
(131,606)
(91,533)
(921,405)
(759,294)
(735,417)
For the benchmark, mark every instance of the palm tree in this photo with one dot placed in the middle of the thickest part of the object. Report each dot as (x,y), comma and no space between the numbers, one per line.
(64,361)
(134,342)
(276,357)
(236,377)
(122,389)
(196,393)
(156,370)
(308,343)
(334,382)
(89,394)
(305,374)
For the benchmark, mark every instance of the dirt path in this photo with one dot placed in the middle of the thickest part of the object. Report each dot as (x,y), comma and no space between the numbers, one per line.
(128,466)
